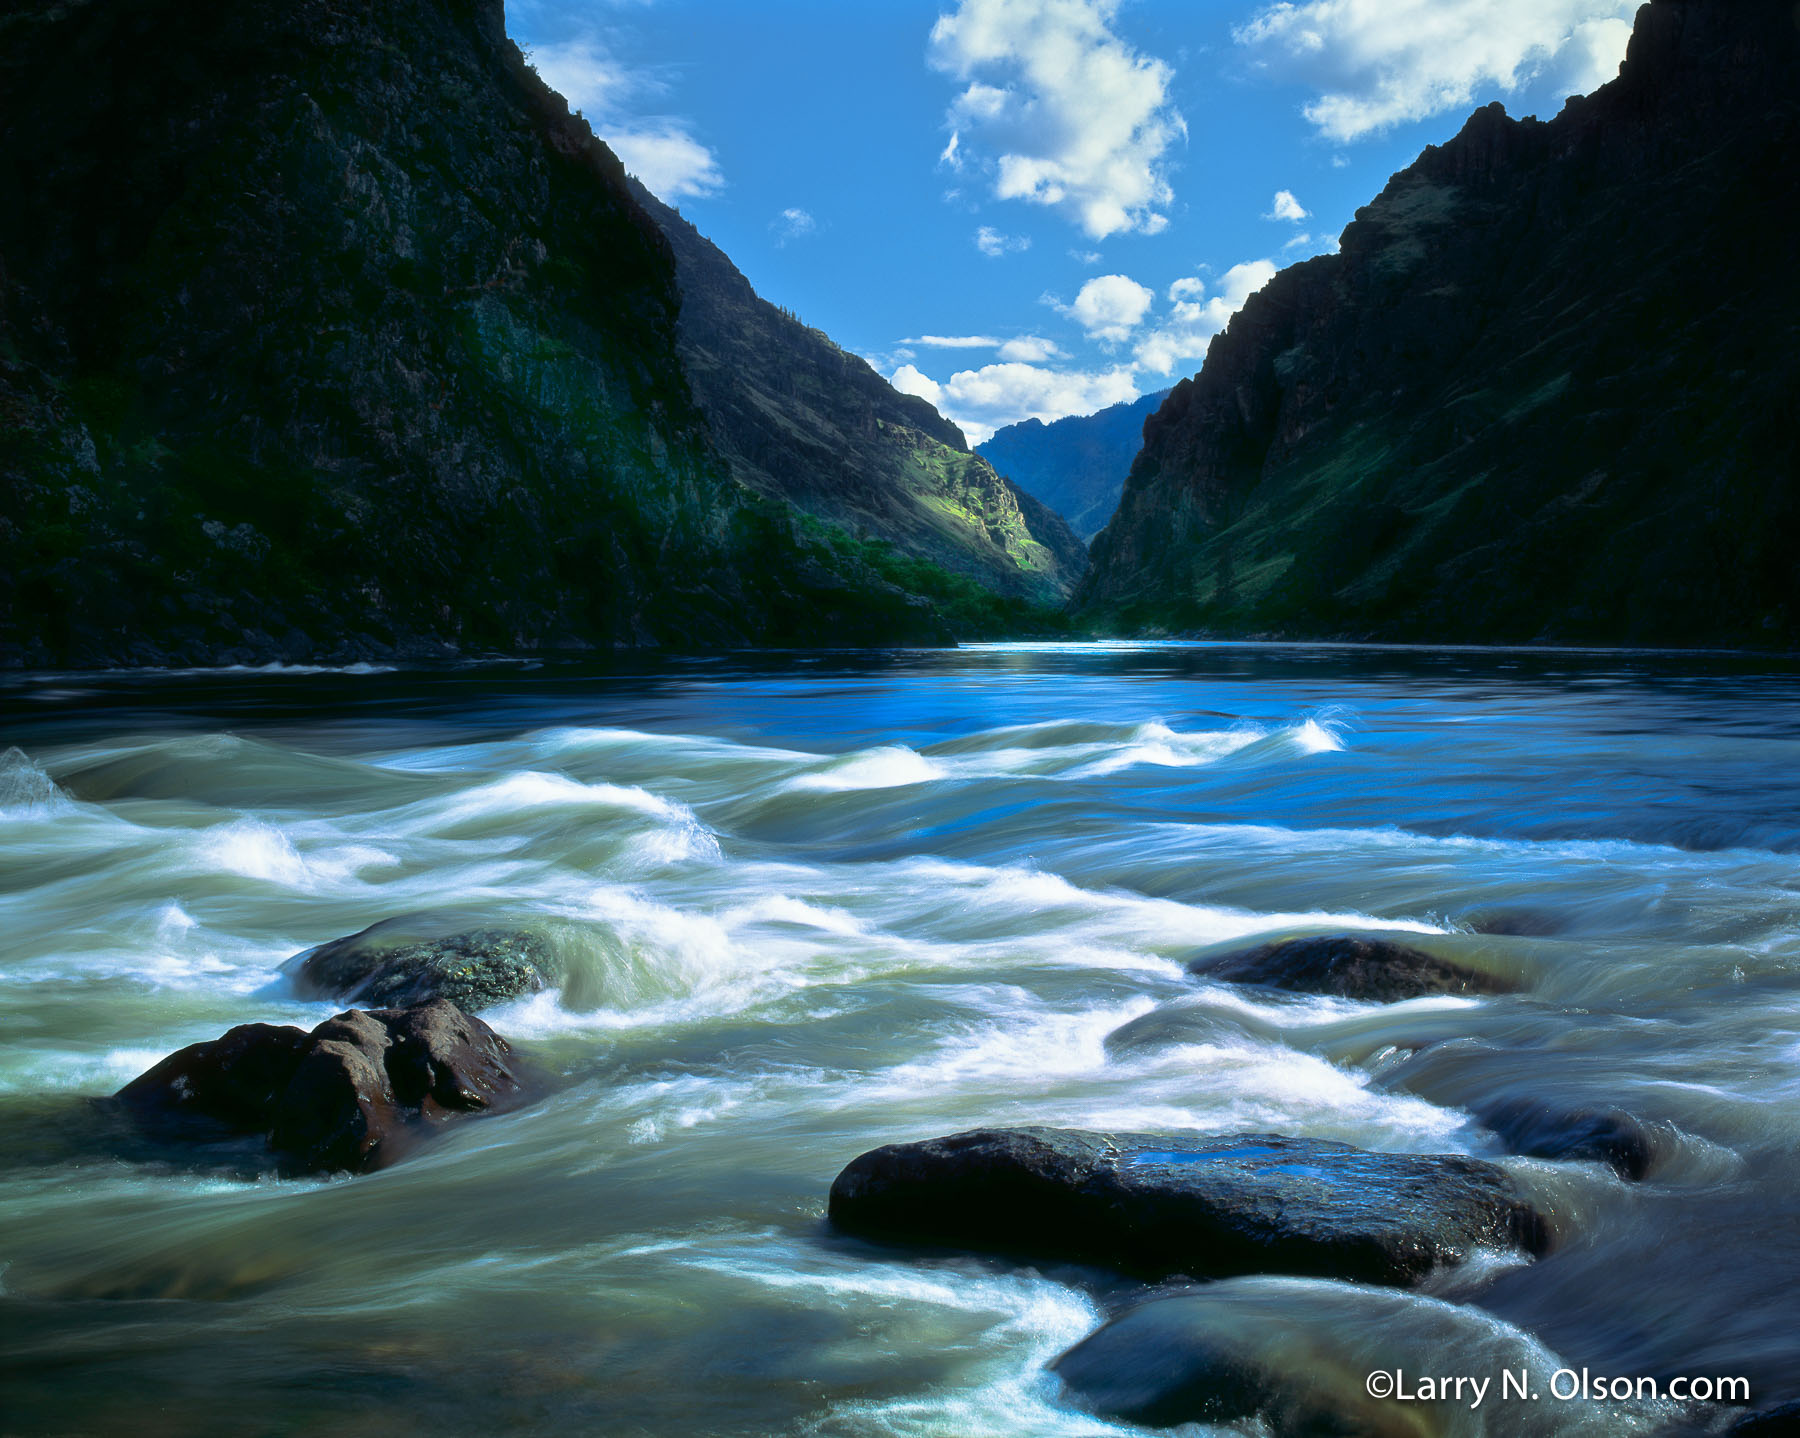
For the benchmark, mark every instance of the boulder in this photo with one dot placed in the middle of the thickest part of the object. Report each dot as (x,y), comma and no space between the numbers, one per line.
(1294,1355)
(1348,966)
(1611,1136)
(356,1094)
(1155,1205)
(1781,1422)
(419,957)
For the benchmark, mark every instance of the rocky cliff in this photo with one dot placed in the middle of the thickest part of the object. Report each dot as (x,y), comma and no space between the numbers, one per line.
(1546,390)
(325,331)
(1077,465)
(800,420)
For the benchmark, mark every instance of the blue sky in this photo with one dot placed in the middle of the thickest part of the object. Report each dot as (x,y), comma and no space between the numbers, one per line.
(1040,207)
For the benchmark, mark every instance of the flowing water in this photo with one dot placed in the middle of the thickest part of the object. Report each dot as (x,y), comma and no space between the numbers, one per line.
(815,904)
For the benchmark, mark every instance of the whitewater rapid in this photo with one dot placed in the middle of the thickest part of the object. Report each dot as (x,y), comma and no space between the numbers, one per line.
(806,910)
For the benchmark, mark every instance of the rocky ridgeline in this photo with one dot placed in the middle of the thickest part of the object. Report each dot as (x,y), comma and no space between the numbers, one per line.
(1076,465)
(1509,409)
(800,420)
(327,333)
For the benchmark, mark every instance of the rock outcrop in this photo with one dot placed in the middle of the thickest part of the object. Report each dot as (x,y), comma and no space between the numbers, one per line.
(1347,966)
(800,420)
(326,332)
(1542,393)
(1157,1205)
(415,959)
(1077,465)
(1625,1143)
(1296,1354)
(357,1093)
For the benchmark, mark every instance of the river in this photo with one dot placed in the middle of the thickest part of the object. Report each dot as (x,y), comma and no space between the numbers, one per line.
(816,903)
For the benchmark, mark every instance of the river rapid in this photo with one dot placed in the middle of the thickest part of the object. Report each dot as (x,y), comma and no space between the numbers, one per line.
(812,904)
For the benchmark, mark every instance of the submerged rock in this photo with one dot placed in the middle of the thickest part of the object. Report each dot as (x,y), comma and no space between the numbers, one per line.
(417,958)
(1608,1135)
(1296,1354)
(1206,1206)
(356,1093)
(1348,966)
(1781,1422)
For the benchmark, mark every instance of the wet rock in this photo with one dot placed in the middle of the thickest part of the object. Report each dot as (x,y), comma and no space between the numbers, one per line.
(420,957)
(1782,1422)
(1349,966)
(357,1093)
(1295,1354)
(1608,1135)
(1205,1206)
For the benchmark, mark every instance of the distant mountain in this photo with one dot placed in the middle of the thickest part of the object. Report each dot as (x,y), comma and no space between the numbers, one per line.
(1546,391)
(326,332)
(800,420)
(1077,465)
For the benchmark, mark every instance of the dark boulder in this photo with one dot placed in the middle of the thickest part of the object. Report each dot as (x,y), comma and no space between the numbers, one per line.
(1348,966)
(1782,1422)
(417,958)
(1295,1354)
(1607,1135)
(1205,1206)
(357,1093)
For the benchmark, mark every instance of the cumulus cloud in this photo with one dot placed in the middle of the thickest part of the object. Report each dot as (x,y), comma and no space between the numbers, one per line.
(792,224)
(1195,317)
(659,149)
(1079,120)
(1030,349)
(993,244)
(1110,307)
(1378,63)
(1286,207)
(986,399)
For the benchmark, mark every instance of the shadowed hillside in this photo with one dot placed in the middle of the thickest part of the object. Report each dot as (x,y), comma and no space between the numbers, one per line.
(1544,392)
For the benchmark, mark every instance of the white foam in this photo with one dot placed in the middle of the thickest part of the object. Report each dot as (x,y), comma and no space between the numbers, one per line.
(536,789)
(26,791)
(888,767)
(255,850)
(1157,744)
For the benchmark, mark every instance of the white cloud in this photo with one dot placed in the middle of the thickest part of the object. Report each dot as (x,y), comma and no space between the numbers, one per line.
(1110,307)
(660,150)
(954,342)
(910,379)
(993,244)
(1300,241)
(671,163)
(1377,63)
(1085,257)
(1030,349)
(1194,319)
(1080,121)
(1286,207)
(792,224)
(986,399)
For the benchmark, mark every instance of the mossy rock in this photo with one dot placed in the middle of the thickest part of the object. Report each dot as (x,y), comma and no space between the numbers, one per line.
(415,959)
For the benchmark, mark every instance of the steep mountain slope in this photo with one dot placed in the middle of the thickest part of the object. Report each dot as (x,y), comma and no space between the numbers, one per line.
(1077,465)
(326,331)
(1546,390)
(801,420)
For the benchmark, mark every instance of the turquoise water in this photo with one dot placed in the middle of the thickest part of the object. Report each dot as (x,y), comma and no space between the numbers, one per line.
(818,903)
